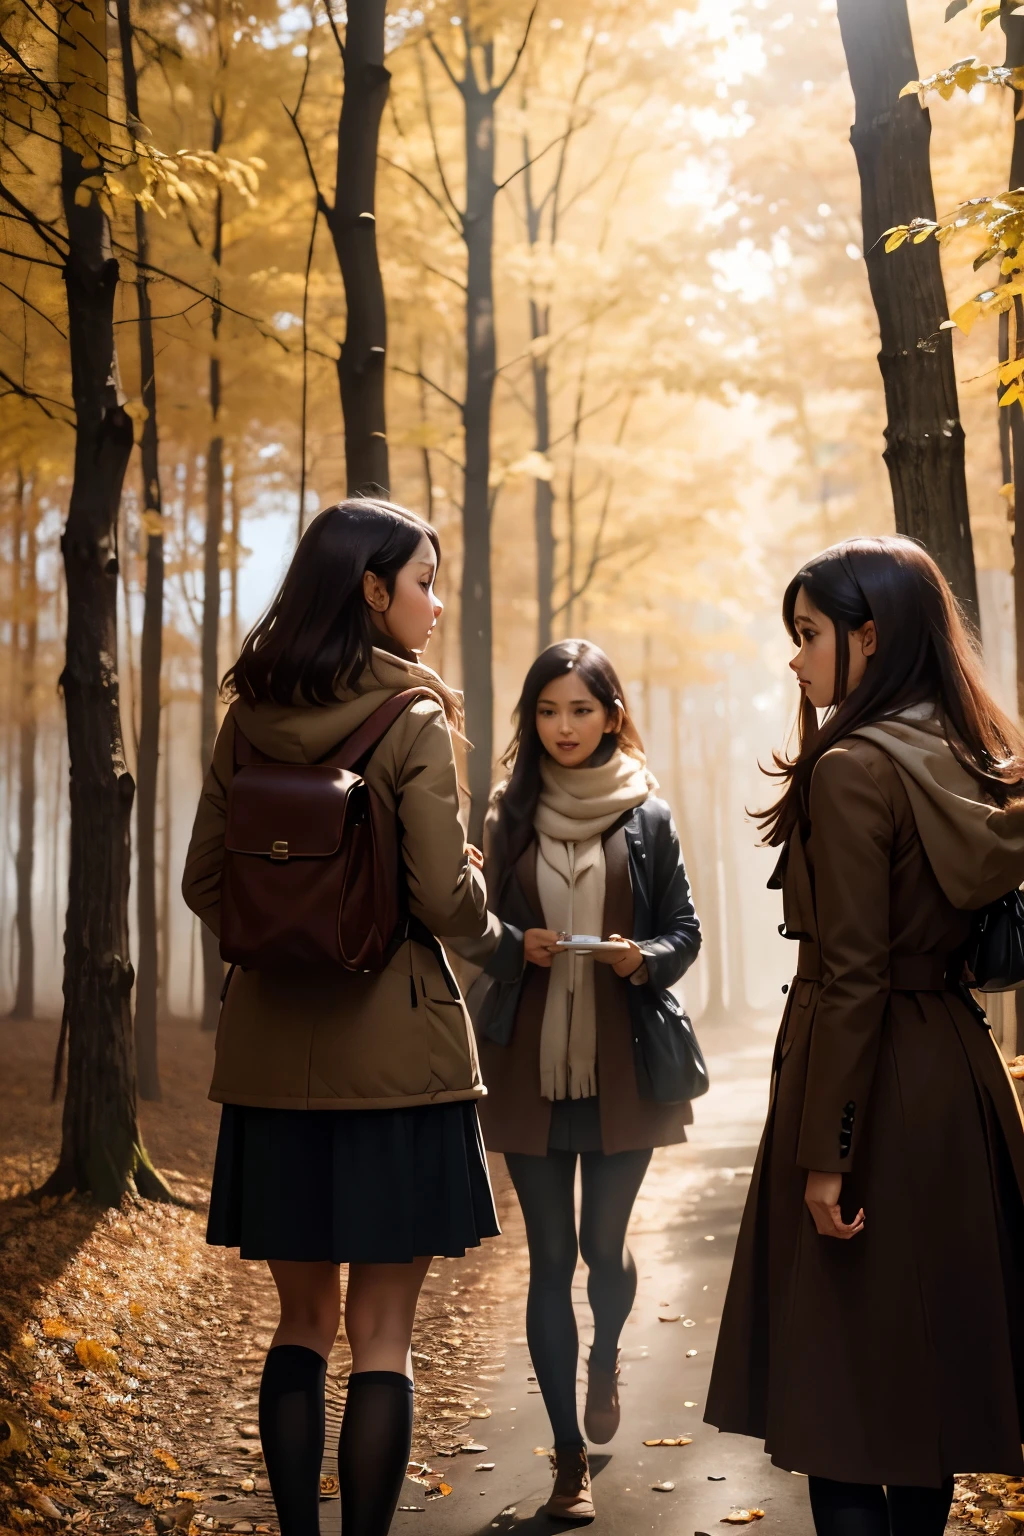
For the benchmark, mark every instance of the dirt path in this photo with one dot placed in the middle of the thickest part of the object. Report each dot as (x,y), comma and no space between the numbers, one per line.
(130,1352)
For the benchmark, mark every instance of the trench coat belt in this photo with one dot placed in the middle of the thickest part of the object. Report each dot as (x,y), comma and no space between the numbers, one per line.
(907,973)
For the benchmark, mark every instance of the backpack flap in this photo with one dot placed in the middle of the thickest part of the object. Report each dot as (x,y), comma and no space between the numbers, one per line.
(282,811)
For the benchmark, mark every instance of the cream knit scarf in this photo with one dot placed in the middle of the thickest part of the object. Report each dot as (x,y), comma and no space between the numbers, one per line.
(575,807)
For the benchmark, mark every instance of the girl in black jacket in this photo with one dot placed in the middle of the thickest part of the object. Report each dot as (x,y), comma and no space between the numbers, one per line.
(577,842)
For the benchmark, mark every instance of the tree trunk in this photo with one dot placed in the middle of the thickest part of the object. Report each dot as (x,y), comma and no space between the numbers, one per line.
(1011,427)
(148,980)
(213,967)
(476,631)
(924,439)
(353,226)
(101,1151)
(543,491)
(28,646)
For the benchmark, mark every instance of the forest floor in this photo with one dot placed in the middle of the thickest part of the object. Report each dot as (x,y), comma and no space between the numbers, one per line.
(130,1352)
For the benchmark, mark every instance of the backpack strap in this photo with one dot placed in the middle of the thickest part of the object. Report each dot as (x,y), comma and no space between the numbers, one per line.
(366,737)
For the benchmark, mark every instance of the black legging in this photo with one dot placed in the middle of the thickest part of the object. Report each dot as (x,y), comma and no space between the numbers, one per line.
(863,1509)
(545,1186)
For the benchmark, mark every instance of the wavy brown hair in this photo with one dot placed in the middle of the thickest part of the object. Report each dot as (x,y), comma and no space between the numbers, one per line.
(925,654)
(524,752)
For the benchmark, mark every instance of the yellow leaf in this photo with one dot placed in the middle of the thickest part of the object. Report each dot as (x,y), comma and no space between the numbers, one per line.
(1011,370)
(910,89)
(896,240)
(923,234)
(965,315)
(1011,395)
(95,1356)
(55,1328)
(135,409)
(742,1516)
(83,197)
(168,1460)
(1007,491)
(136,1309)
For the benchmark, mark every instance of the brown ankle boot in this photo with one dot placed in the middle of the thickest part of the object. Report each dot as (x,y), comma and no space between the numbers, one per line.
(571,1498)
(601,1415)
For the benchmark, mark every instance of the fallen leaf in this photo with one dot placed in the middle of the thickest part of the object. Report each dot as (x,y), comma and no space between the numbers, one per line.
(485,1466)
(247,1485)
(673,1318)
(330,1488)
(166,1459)
(95,1356)
(479,1413)
(541,1450)
(136,1309)
(440,1491)
(472,1449)
(690,1354)
(56,1328)
(682,1440)
(689,1405)
(147,1496)
(249,1431)
(666,1487)
(742,1517)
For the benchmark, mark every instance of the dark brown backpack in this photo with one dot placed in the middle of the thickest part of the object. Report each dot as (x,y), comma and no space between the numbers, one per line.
(312,870)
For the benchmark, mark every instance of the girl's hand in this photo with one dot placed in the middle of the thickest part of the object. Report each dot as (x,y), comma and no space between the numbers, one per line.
(821,1198)
(623,965)
(476,858)
(538,946)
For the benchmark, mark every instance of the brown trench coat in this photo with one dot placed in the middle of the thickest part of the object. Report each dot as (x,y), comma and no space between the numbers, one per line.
(897,1356)
(315,1039)
(514,1116)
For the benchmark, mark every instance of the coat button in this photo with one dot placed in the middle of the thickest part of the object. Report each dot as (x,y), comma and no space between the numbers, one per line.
(785,988)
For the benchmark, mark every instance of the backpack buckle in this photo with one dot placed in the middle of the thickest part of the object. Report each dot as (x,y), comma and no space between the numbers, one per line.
(279,851)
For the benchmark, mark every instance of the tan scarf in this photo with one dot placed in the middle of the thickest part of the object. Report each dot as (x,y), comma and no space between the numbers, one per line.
(576,806)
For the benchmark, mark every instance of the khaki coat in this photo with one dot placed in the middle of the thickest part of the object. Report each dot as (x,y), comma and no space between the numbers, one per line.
(897,1356)
(318,1039)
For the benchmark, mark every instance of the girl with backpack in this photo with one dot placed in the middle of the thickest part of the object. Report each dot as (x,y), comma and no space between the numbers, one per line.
(349,1130)
(873,1331)
(577,842)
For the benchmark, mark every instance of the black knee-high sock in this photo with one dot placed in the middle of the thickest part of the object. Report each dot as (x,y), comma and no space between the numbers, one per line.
(919,1511)
(292,1434)
(848,1509)
(373,1451)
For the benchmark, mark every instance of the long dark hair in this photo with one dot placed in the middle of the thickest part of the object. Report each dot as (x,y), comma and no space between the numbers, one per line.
(524,752)
(317,634)
(924,654)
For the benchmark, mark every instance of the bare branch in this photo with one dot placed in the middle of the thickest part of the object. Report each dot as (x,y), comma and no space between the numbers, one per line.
(441,56)
(497,90)
(43,85)
(42,230)
(35,309)
(532,161)
(211,298)
(416,373)
(37,261)
(293,118)
(14,388)
(334,28)
(429,115)
(423,188)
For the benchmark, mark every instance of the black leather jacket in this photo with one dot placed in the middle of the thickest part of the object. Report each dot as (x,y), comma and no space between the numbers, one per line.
(665,925)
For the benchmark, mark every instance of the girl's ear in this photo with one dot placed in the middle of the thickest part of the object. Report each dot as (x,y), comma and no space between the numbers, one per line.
(375,592)
(869,638)
(614,718)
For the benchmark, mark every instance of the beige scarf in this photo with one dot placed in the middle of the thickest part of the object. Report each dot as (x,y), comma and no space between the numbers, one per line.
(576,806)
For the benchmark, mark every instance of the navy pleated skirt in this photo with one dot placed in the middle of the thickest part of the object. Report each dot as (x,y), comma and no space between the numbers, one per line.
(372,1186)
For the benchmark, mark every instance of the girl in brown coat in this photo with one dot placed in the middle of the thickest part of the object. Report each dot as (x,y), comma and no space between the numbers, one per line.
(349,1130)
(873,1333)
(577,840)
